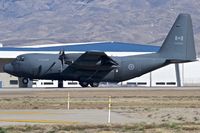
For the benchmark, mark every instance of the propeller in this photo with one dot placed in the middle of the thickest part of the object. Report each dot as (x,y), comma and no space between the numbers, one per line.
(62,58)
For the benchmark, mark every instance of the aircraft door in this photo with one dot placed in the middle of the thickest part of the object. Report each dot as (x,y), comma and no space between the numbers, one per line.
(37,71)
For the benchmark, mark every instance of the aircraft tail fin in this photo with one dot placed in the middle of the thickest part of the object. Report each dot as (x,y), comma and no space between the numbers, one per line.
(179,43)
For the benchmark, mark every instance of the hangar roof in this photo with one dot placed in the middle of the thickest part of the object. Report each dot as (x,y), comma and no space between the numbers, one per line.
(97,46)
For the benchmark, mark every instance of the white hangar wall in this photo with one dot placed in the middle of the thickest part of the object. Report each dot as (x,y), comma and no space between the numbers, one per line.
(191,74)
(166,76)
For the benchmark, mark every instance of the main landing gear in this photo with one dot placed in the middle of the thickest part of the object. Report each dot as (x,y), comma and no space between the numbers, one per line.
(82,84)
(92,84)
(60,83)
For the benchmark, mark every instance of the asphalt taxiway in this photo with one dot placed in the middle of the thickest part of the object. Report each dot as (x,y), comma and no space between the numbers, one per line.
(92,116)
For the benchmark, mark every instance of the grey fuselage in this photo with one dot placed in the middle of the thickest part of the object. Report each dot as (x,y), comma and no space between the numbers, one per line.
(47,66)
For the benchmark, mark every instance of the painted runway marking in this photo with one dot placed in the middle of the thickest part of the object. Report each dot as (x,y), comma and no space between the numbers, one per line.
(23,112)
(32,113)
(40,121)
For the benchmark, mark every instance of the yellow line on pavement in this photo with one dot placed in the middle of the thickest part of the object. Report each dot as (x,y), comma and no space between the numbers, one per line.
(40,121)
(23,112)
(32,112)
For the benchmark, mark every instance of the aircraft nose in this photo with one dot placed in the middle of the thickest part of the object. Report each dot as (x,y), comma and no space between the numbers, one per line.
(8,68)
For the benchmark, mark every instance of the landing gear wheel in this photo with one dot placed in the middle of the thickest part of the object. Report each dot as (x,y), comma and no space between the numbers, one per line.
(60,83)
(94,84)
(84,84)
(25,80)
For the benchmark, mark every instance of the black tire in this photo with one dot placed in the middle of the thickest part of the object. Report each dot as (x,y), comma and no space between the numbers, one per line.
(83,84)
(25,81)
(60,83)
(94,84)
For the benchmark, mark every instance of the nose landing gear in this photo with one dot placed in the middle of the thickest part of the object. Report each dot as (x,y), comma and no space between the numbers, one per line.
(25,82)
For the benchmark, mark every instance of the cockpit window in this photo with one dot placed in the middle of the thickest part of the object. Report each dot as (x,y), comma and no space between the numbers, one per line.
(20,58)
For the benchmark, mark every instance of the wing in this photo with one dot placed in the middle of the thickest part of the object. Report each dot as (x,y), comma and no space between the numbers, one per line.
(92,66)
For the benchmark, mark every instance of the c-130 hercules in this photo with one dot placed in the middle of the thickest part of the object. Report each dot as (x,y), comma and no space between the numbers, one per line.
(93,67)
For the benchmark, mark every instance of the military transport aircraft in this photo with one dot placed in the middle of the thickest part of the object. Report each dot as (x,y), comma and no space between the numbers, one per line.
(93,67)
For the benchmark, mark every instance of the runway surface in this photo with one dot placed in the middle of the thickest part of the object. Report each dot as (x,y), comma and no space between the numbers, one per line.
(83,116)
(19,106)
(115,88)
